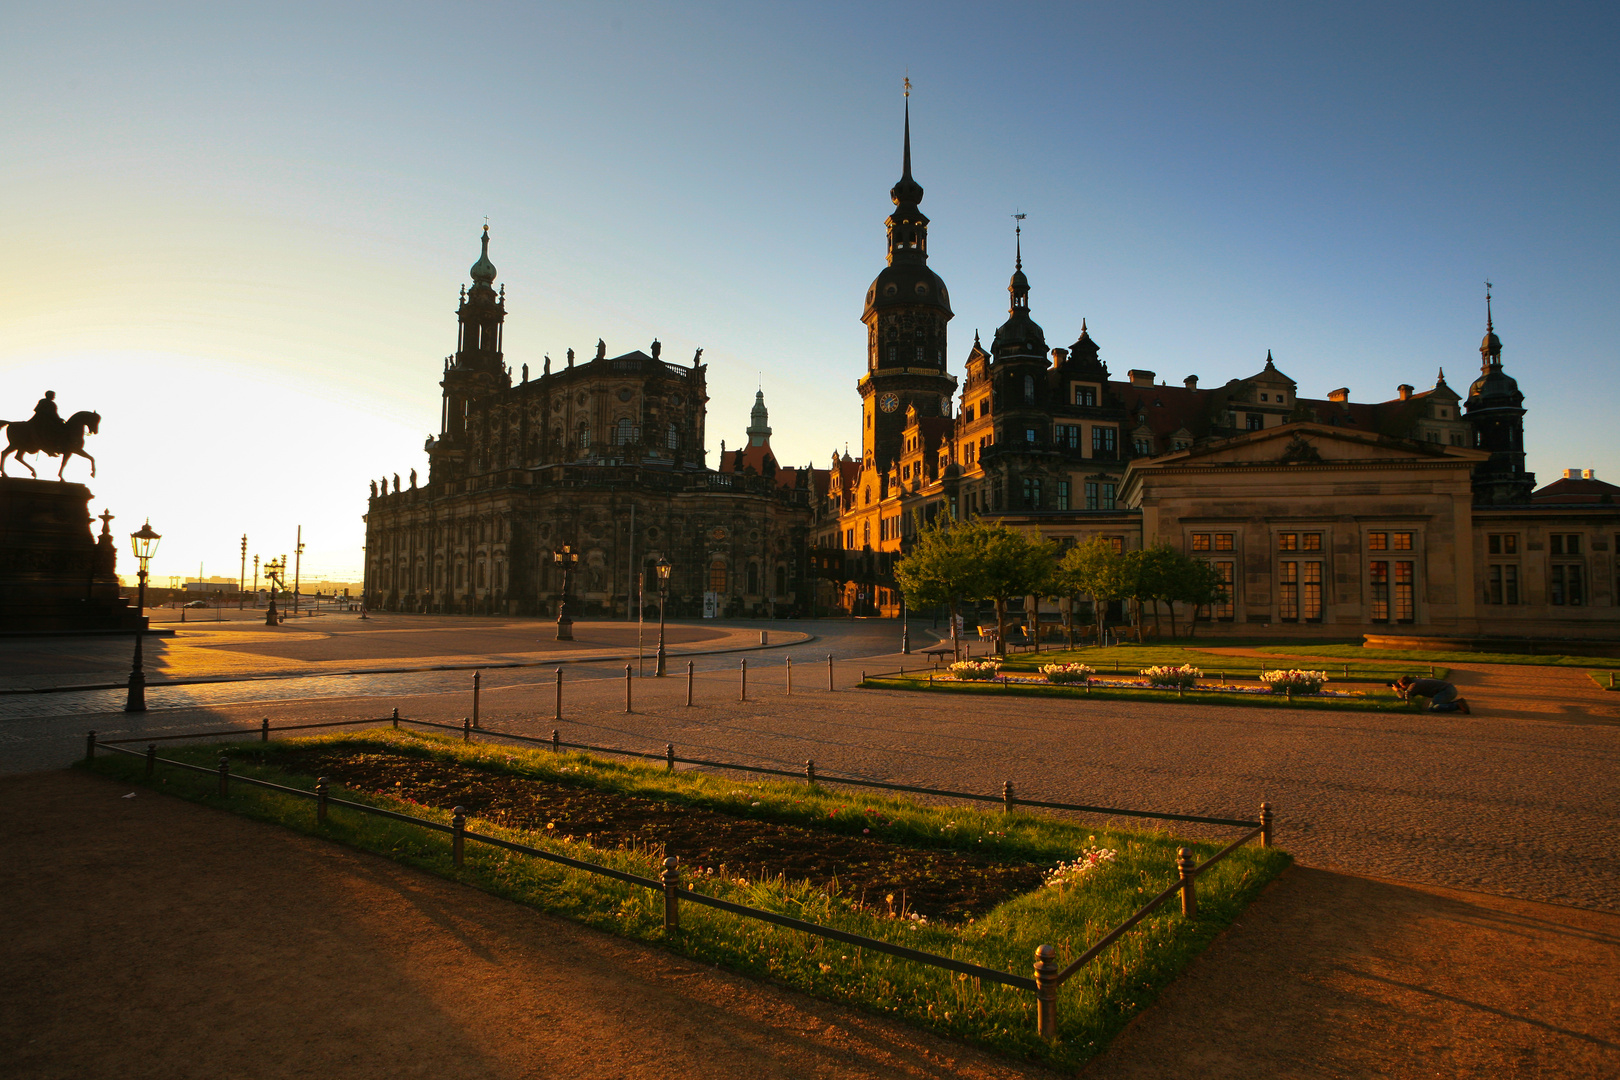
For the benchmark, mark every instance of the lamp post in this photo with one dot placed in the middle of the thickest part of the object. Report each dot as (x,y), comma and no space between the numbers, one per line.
(273,573)
(144,543)
(663,602)
(566,558)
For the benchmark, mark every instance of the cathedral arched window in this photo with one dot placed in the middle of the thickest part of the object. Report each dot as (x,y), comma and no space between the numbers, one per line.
(753,579)
(624,432)
(781,581)
(673,438)
(1029,389)
(584,437)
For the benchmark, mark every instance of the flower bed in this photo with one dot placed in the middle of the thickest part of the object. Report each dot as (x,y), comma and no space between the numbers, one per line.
(1068,673)
(1173,677)
(1293,681)
(976,670)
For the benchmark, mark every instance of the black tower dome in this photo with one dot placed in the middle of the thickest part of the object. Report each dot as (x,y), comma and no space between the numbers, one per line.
(1495,408)
(907,281)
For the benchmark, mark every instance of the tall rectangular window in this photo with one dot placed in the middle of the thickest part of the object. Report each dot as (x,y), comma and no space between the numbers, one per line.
(1091,495)
(1288,541)
(1404,598)
(1108,496)
(1029,436)
(1378,541)
(1312,592)
(1567,586)
(1223,541)
(1256,421)
(1104,440)
(1085,395)
(1310,542)
(1063,494)
(1223,608)
(1378,593)
(1200,541)
(1401,541)
(1288,591)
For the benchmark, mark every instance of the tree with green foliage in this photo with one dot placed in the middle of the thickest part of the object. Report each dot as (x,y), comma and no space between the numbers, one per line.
(1096,570)
(1201,584)
(974,560)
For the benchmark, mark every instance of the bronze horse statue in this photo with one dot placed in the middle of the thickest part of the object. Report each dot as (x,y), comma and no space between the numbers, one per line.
(65,440)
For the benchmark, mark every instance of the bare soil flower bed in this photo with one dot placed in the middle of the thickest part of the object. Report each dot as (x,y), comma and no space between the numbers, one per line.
(937,884)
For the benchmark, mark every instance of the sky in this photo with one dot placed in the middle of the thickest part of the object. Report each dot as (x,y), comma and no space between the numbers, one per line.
(238,231)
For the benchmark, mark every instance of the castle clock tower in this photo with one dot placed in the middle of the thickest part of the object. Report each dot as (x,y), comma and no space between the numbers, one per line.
(907,308)
(477,369)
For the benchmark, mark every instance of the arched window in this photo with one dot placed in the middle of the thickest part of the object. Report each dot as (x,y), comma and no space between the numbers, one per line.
(1029,389)
(866,534)
(673,438)
(717,576)
(753,579)
(584,436)
(624,433)
(781,581)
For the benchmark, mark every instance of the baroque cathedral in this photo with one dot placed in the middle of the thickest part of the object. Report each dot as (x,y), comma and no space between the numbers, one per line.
(605,456)
(1412,515)
(1323,515)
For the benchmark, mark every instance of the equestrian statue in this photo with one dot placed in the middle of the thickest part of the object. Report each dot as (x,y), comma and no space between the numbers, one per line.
(48,433)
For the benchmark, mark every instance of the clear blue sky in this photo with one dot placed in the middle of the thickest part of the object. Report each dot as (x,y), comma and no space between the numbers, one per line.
(238,230)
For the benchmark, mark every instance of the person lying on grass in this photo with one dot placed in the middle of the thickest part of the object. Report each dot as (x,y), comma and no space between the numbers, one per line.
(1443,696)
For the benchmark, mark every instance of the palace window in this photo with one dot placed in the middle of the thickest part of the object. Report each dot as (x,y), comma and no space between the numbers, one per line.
(866,534)
(1565,543)
(1062,494)
(1223,607)
(1378,578)
(1068,435)
(1085,395)
(967,454)
(1117,543)
(1108,496)
(1029,436)
(1502,585)
(967,415)
(1566,586)
(1312,593)
(1378,541)
(1144,446)
(1029,389)
(1032,493)
(1255,421)
(1288,541)
(717,576)
(1200,541)
(1401,541)
(1288,591)
(1404,599)
(1091,496)
(1103,440)
(1502,543)
(1310,542)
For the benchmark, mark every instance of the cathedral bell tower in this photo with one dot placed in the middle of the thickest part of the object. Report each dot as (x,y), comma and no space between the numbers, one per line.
(907,309)
(477,368)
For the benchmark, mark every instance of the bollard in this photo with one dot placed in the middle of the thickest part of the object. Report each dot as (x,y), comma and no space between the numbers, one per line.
(466,729)
(1290,693)
(764,637)
(224,776)
(396,718)
(829,672)
(810,773)
(627,688)
(264,730)
(558,715)
(1431,671)
(669,757)
(477,675)
(556,742)
(90,747)
(1007,799)
(689,682)
(320,799)
(151,759)
(790,674)
(671,877)
(458,833)
(744,696)
(1046,991)
(1265,824)
(1347,671)
(1185,865)
(1611,680)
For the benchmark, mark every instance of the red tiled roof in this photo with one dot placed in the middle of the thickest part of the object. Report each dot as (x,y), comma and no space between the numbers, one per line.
(1571,489)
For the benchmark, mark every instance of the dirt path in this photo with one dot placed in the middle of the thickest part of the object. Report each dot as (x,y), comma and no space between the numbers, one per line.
(149,937)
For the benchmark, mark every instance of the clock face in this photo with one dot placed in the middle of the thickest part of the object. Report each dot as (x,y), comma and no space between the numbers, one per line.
(944,405)
(889,402)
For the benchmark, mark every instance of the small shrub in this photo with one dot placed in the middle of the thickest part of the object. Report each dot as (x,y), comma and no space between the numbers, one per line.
(1300,682)
(1068,673)
(976,670)
(1070,873)
(1174,677)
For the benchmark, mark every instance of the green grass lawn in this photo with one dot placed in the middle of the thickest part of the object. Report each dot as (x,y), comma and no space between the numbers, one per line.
(1130,659)
(1424,656)
(1370,701)
(1095,1004)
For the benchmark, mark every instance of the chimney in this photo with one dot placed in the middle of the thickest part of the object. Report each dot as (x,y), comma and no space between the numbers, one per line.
(1572,474)
(1141,378)
(1191,382)
(1341,395)
(1588,474)
(1058,356)
(1405,391)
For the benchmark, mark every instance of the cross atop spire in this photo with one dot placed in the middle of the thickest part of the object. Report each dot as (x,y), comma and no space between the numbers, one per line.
(1018,240)
(1488,326)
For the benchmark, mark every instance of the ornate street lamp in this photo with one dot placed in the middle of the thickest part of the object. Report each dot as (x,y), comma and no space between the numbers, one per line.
(663,602)
(144,544)
(566,558)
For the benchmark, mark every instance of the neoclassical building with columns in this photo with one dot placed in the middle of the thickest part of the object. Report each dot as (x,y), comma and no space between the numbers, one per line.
(1413,515)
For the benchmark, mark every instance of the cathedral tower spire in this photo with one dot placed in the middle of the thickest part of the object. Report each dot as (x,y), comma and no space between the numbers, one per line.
(907,309)
(477,368)
(1495,408)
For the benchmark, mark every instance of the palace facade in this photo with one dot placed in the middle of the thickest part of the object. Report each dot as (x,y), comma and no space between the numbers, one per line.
(1326,516)
(606,456)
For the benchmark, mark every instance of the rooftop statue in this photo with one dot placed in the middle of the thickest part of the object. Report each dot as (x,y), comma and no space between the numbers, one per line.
(47,432)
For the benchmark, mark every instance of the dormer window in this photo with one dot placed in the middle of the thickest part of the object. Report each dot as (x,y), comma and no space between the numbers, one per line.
(1086,396)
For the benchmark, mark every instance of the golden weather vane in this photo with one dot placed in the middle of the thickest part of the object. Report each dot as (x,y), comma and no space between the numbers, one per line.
(908,84)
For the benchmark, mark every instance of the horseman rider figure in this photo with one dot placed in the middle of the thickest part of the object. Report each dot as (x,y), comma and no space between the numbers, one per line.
(46,416)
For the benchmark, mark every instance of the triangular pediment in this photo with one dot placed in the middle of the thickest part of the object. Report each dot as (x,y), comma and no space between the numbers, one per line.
(1310,443)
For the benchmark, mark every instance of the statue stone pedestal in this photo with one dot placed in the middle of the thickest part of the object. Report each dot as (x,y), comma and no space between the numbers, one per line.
(54,575)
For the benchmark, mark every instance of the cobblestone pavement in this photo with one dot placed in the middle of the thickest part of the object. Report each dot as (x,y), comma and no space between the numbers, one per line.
(1522,798)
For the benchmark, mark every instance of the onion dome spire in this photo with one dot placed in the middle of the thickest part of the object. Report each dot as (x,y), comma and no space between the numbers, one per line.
(906,192)
(1019,285)
(483,271)
(1490,348)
